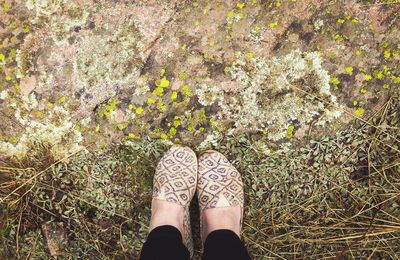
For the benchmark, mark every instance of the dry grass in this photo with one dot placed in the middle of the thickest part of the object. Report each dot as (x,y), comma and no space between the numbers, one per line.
(337,197)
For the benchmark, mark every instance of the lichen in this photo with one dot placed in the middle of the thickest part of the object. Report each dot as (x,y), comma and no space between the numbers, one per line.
(56,132)
(112,60)
(274,94)
(208,95)
(61,16)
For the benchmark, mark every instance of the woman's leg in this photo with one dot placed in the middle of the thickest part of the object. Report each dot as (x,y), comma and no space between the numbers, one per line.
(164,242)
(224,244)
(221,199)
(173,188)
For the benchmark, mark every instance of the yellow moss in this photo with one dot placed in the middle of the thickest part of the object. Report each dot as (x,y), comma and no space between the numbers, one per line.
(13,139)
(122,126)
(334,80)
(379,74)
(172,132)
(151,101)
(386,70)
(226,70)
(185,90)
(289,132)
(174,95)
(160,106)
(349,70)
(190,127)
(158,91)
(183,75)
(14,40)
(338,37)
(395,79)
(163,82)
(62,99)
(273,24)
(139,110)
(39,114)
(212,121)
(240,5)
(128,137)
(176,122)
(367,77)
(387,54)
(359,111)
(6,7)
(249,55)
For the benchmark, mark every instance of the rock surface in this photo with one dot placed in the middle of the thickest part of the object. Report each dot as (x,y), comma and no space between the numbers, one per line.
(83,74)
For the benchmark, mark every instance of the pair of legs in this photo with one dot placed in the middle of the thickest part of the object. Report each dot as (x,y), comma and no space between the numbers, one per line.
(216,185)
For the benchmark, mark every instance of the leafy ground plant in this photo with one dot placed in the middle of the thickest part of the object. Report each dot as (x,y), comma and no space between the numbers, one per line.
(337,197)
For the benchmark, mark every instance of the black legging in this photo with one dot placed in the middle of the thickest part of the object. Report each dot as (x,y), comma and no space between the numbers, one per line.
(165,243)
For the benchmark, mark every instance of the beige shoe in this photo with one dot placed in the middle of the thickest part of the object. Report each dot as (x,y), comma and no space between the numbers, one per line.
(219,184)
(175,181)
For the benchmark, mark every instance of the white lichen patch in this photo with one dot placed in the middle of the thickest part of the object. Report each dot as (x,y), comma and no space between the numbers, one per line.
(277,93)
(61,16)
(255,35)
(56,131)
(208,95)
(110,60)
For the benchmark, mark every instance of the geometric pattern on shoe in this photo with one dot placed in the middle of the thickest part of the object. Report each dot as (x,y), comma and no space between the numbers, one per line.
(176,176)
(175,181)
(219,184)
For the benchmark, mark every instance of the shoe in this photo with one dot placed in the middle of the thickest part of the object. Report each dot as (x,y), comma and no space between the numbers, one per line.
(175,181)
(219,184)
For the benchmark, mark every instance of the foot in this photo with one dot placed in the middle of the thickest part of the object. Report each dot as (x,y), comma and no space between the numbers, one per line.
(173,189)
(220,194)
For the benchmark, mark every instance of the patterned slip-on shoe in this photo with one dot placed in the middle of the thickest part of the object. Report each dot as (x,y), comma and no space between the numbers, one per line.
(175,181)
(219,184)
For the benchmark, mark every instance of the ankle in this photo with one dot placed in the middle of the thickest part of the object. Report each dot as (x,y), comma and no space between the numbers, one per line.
(221,218)
(165,213)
